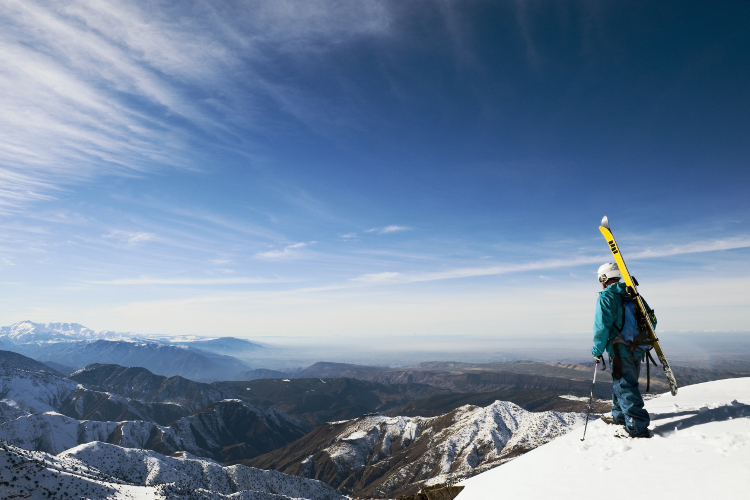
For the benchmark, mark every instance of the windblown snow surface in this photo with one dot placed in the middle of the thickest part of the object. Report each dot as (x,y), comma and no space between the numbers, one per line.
(700,449)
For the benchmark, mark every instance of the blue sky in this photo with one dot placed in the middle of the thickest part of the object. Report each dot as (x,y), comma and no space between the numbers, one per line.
(336,168)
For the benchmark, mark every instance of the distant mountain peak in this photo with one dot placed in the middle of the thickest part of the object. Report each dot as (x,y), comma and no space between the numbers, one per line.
(29,331)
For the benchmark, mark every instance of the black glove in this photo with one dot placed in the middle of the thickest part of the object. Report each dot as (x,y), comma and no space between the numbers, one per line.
(600,359)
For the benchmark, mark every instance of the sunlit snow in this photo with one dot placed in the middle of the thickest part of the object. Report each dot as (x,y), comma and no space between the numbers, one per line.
(700,449)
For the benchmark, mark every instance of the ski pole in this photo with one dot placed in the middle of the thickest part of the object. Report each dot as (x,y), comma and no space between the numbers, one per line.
(591,399)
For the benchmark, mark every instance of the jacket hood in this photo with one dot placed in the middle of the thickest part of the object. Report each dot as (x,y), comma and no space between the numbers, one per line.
(620,288)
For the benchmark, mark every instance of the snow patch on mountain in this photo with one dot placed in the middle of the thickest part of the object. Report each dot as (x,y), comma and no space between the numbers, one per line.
(23,392)
(700,449)
(422,450)
(53,433)
(150,468)
(203,434)
(98,470)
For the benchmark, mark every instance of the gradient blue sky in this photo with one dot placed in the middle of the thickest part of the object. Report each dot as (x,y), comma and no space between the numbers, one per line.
(357,168)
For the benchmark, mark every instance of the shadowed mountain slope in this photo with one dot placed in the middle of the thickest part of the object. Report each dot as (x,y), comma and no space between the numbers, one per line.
(16,360)
(140,383)
(62,369)
(24,391)
(315,401)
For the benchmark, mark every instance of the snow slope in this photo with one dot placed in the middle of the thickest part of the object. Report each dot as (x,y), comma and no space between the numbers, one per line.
(99,470)
(28,391)
(700,449)
(149,468)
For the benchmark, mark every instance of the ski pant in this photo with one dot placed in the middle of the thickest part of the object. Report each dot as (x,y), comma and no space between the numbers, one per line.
(627,403)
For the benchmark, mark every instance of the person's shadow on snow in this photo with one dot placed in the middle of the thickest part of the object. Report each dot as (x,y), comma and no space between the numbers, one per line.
(700,416)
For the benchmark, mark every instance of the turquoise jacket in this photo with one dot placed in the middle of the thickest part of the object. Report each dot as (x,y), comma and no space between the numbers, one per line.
(608,321)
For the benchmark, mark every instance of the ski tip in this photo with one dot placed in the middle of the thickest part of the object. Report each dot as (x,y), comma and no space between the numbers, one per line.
(605,222)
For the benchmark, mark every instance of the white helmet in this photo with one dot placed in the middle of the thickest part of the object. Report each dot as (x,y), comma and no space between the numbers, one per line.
(608,271)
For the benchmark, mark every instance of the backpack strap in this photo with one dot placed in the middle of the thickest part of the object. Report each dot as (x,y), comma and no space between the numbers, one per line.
(643,338)
(617,363)
(647,357)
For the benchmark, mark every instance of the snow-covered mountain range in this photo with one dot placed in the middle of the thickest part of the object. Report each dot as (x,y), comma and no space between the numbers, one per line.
(28,331)
(408,453)
(32,404)
(700,449)
(31,394)
(100,470)
(110,445)
(46,412)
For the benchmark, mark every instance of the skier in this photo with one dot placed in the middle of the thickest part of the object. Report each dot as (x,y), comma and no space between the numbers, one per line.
(627,403)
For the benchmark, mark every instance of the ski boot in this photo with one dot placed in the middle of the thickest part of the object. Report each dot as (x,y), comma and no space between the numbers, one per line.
(622,432)
(607,418)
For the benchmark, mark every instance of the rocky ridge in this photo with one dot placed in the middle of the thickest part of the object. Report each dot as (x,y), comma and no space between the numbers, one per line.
(390,456)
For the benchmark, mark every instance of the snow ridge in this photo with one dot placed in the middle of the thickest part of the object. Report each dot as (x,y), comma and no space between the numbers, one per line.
(99,470)
(465,442)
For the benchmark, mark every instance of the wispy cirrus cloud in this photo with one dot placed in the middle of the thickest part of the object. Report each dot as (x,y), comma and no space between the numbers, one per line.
(293,251)
(387,229)
(94,88)
(472,272)
(129,237)
(694,247)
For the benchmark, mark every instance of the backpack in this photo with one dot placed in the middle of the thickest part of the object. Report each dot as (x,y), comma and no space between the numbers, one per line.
(634,334)
(634,329)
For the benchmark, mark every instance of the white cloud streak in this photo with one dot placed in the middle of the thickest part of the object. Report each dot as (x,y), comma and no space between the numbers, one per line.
(129,237)
(694,247)
(472,272)
(393,229)
(387,229)
(293,251)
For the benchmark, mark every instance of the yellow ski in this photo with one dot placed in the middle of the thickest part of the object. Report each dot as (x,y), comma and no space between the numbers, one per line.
(607,233)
